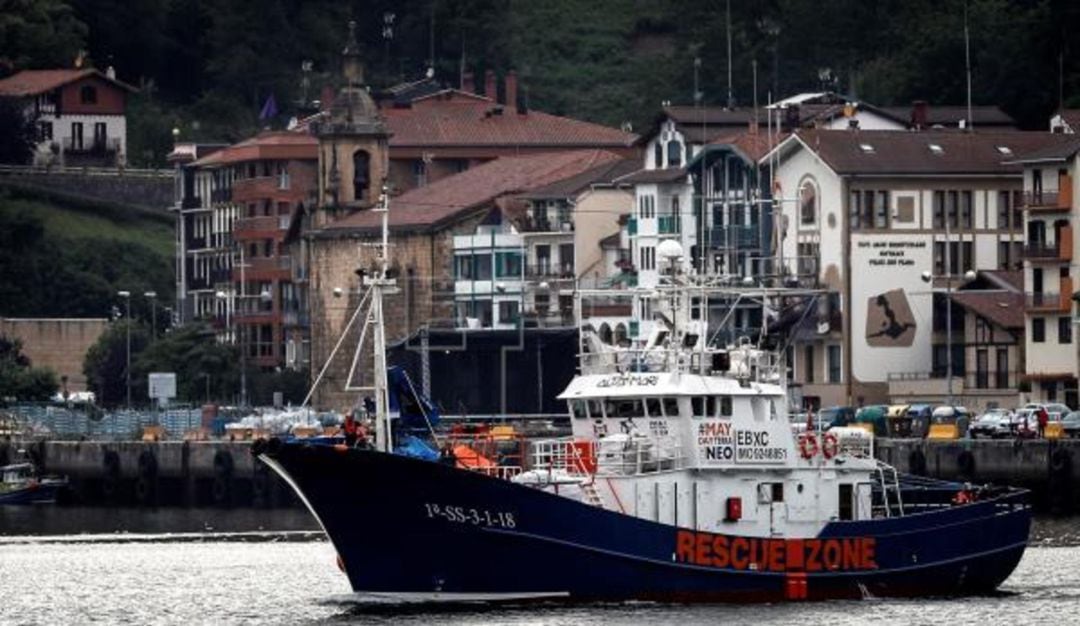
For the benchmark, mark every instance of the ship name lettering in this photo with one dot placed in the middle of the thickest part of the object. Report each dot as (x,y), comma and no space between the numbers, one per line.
(628,380)
(775,555)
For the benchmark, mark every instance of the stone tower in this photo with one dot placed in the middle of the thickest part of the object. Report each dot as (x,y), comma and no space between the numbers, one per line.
(353,144)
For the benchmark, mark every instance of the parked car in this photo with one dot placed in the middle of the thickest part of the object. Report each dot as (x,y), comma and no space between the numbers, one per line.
(994,423)
(1055,410)
(1070,424)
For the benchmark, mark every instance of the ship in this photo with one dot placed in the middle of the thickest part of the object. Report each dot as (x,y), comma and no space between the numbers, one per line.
(683,481)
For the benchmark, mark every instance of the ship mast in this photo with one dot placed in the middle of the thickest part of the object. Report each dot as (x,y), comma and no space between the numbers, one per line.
(379,284)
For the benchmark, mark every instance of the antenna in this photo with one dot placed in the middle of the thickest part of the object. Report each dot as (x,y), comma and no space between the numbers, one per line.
(730,91)
(967,64)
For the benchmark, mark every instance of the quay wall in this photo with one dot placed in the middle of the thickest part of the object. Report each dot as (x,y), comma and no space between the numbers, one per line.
(1048,467)
(223,473)
(163,473)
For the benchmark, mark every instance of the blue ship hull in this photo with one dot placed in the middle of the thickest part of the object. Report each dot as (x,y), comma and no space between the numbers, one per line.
(406,528)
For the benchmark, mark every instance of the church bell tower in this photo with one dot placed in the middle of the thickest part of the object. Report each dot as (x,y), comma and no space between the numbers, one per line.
(353,144)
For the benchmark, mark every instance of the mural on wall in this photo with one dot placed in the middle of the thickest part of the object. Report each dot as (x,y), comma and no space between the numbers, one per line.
(889,320)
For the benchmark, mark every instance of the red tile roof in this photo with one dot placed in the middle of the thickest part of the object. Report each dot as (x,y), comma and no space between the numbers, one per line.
(445,200)
(273,144)
(1072,118)
(481,122)
(889,152)
(753,145)
(34,82)
(662,175)
(1003,308)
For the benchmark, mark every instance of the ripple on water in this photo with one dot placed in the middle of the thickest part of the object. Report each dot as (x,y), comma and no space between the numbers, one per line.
(292,582)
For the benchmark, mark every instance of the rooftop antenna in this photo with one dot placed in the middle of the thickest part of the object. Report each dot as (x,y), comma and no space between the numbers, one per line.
(699,102)
(967,63)
(730,91)
(431,38)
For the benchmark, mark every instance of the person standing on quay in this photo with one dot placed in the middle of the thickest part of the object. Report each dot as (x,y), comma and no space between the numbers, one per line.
(1043,417)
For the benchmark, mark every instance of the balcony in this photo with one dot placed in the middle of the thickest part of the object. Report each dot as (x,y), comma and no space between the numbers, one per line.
(260,227)
(534,225)
(565,271)
(669,225)
(735,237)
(272,268)
(1051,200)
(221,195)
(1051,252)
(1060,302)
(191,202)
(96,147)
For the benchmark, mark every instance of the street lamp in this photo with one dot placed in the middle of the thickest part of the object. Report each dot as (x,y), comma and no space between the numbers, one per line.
(126,295)
(153,313)
(928,277)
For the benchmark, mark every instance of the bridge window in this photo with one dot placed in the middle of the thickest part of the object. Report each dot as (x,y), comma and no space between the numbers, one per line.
(623,408)
(846,505)
(652,406)
(596,409)
(577,409)
(671,407)
(725,406)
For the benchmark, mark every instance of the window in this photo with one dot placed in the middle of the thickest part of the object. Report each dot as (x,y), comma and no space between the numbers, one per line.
(881,210)
(952,208)
(1003,255)
(577,409)
(45,131)
(855,210)
(652,406)
(808,364)
(508,312)
(833,356)
(674,153)
(482,266)
(966,209)
(419,169)
(76,135)
(671,407)
(1038,330)
(361,175)
(1002,374)
(725,406)
(507,264)
(658,155)
(1004,210)
(1064,330)
(808,204)
(939,209)
(88,94)
(648,258)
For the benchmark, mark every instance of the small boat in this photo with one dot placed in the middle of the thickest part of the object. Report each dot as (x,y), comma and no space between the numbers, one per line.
(21,484)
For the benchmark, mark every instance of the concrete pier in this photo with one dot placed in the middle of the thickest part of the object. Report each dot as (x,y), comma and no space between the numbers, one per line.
(168,473)
(1046,467)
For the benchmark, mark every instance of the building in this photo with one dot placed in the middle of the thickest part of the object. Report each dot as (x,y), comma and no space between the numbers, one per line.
(990,326)
(525,263)
(57,344)
(1051,214)
(873,211)
(256,198)
(423,225)
(79,114)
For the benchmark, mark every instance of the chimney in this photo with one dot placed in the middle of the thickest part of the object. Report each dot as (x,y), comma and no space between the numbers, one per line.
(490,86)
(510,85)
(920,110)
(110,72)
(791,117)
(468,83)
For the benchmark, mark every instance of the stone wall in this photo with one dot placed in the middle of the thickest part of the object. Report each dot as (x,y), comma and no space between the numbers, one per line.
(147,189)
(423,265)
(58,344)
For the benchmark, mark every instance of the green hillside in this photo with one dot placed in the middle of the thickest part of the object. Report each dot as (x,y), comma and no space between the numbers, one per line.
(63,257)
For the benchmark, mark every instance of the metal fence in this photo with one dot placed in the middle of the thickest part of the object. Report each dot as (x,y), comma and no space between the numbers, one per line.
(65,422)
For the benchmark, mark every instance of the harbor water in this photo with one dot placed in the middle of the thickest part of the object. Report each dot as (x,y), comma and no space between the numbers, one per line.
(214,567)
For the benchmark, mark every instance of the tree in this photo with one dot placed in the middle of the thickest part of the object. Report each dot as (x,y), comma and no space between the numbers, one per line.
(39,33)
(202,365)
(17,133)
(18,378)
(105,365)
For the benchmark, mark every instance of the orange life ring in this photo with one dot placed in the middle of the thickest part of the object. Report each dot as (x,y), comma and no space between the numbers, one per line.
(808,446)
(829,445)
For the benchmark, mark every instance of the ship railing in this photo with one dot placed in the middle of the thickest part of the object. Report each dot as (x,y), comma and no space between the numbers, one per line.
(564,454)
(505,472)
(745,364)
(632,456)
(889,480)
